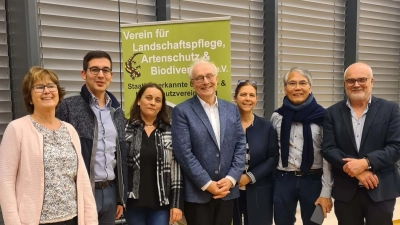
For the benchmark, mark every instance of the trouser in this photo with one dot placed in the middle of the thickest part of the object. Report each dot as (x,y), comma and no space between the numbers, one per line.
(362,207)
(289,190)
(73,221)
(214,212)
(240,216)
(106,203)
(146,216)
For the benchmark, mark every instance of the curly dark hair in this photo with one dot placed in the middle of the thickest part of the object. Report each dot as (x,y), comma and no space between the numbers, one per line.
(35,74)
(162,116)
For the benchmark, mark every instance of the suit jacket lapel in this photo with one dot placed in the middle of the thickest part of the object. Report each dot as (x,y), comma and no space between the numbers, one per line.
(372,110)
(222,119)
(199,110)
(346,115)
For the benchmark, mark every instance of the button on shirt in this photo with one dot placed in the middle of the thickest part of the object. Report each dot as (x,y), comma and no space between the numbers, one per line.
(213,117)
(106,141)
(358,123)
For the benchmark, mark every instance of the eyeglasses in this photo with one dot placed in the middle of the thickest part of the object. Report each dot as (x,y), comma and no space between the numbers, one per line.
(360,81)
(200,79)
(293,84)
(247,81)
(96,70)
(39,88)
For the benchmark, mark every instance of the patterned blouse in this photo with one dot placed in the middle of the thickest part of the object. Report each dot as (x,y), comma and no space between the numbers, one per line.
(60,169)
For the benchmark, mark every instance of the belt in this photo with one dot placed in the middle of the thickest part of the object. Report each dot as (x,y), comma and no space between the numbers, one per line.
(299,173)
(102,184)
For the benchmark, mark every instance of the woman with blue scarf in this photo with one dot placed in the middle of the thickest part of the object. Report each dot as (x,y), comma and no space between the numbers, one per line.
(302,174)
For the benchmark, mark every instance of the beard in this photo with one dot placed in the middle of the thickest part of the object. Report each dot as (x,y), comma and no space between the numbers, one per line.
(360,95)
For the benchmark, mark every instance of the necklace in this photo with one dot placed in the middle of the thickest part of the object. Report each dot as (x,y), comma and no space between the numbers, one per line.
(145,126)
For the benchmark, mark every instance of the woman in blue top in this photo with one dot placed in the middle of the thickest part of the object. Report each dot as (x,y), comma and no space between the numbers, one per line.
(254,206)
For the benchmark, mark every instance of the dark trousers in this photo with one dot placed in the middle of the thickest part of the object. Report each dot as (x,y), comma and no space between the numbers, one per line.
(290,189)
(73,221)
(240,216)
(363,207)
(106,203)
(214,212)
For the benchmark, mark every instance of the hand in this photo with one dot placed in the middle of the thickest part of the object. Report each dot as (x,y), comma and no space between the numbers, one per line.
(224,186)
(213,188)
(244,180)
(368,179)
(354,167)
(175,215)
(119,212)
(326,204)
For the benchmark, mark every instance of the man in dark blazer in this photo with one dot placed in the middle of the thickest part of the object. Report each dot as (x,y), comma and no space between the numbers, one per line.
(209,144)
(362,142)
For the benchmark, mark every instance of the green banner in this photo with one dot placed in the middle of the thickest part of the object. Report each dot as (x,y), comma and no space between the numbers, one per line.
(162,52)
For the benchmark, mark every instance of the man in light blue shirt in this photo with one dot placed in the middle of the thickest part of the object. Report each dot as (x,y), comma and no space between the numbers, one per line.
(98,118)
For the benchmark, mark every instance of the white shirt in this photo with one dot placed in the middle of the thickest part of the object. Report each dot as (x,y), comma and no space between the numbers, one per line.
(213,117)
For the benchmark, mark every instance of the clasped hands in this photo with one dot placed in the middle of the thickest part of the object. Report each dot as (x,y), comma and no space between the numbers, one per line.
(220,188)
(357,168)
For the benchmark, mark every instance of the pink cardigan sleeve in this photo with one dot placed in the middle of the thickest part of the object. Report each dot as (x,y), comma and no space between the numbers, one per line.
(9,163)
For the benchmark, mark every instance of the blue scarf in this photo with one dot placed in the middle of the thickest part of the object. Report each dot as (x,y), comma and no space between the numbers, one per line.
(307,113)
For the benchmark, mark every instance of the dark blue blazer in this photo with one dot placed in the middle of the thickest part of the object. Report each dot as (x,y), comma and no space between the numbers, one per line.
(264,156)
(195,147)
(380,142)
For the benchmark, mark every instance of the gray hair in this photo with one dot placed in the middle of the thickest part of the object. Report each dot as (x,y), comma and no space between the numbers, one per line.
(304,72)
(200,61)
(360,63)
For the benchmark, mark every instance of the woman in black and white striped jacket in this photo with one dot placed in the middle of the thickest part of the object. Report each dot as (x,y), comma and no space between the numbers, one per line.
(155,182)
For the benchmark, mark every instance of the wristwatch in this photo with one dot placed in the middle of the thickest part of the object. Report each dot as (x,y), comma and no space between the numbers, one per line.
(369,163)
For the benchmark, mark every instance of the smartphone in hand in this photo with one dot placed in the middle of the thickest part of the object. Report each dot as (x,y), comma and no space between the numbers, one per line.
(318,215)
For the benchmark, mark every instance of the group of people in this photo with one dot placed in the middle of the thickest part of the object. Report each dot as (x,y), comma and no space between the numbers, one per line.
(79,161)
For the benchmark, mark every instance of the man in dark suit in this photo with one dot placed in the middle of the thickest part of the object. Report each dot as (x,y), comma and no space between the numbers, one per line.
(362,142)
(209,144)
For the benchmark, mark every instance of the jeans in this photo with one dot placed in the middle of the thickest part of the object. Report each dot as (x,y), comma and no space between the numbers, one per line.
(146,216)
(106,203)
(290,189)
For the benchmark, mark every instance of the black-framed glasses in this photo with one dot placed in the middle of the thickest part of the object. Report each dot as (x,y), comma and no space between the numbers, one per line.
(293,84)
(200,79)
(39,88)
(247,81)
(361,81)
(96,70)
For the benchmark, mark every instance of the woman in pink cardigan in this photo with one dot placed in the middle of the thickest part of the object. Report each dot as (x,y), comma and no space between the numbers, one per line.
(43,179)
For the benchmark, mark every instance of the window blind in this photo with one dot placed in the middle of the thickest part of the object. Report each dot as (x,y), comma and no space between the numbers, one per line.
(68,29)
(5,91)
(379,45)
(311,34)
